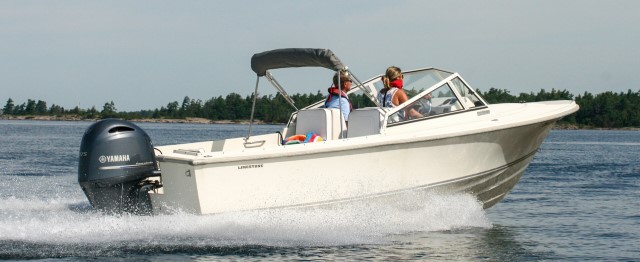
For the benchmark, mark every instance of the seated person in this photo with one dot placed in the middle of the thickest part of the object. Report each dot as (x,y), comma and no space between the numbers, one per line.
(392,94)
(338,98)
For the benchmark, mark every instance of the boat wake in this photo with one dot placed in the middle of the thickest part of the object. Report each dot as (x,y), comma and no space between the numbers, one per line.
(31,228)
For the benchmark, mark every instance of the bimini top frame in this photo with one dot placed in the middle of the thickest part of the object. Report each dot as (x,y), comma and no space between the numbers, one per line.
(261,63)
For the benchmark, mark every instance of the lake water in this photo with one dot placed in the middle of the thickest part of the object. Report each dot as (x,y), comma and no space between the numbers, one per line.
(578,200)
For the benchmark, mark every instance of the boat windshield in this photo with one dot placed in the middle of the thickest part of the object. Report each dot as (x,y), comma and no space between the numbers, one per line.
(430,95)
(431,92)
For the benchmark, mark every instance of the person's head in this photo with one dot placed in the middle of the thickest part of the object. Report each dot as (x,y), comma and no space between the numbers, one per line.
(345,81)
(392,74)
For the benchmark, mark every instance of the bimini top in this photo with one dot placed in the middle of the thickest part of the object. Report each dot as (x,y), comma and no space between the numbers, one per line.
(295,57)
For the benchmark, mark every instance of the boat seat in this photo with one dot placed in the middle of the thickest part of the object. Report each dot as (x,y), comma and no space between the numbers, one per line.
(365,121)
(325,122)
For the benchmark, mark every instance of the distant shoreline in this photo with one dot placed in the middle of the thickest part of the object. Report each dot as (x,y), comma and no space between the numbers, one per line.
(563,126)
(197,120)
(188,120)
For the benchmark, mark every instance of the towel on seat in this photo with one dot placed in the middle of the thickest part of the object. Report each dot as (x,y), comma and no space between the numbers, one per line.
(299,139)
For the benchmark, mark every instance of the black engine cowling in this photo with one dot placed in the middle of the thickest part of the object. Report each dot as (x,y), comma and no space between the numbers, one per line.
(116,158)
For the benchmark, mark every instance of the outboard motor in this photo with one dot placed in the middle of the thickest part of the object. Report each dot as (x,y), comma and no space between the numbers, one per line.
(116,158)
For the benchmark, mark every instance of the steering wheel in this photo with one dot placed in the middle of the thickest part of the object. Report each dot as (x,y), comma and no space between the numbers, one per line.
(425,107)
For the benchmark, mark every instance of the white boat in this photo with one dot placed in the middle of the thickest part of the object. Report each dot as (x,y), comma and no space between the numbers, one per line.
(460,144)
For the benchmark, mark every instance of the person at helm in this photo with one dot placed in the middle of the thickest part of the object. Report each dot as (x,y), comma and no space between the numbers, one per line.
(392,94)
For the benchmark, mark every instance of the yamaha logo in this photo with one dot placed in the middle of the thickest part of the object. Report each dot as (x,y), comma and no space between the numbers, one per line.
(113,158)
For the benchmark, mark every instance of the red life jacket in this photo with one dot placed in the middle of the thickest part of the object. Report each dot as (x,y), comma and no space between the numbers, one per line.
(396,83)
(333,91)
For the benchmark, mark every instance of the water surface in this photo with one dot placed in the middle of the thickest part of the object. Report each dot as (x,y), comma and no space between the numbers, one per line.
(578,200)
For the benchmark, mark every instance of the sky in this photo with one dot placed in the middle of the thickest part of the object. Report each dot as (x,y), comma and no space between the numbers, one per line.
(145,54)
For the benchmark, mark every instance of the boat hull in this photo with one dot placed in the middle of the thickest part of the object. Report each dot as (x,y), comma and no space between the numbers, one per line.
(485,164)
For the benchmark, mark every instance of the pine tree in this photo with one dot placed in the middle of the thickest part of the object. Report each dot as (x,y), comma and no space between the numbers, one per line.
(8,108)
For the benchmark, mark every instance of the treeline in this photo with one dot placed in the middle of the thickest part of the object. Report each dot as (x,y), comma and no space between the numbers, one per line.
(605,110)
(234,107)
